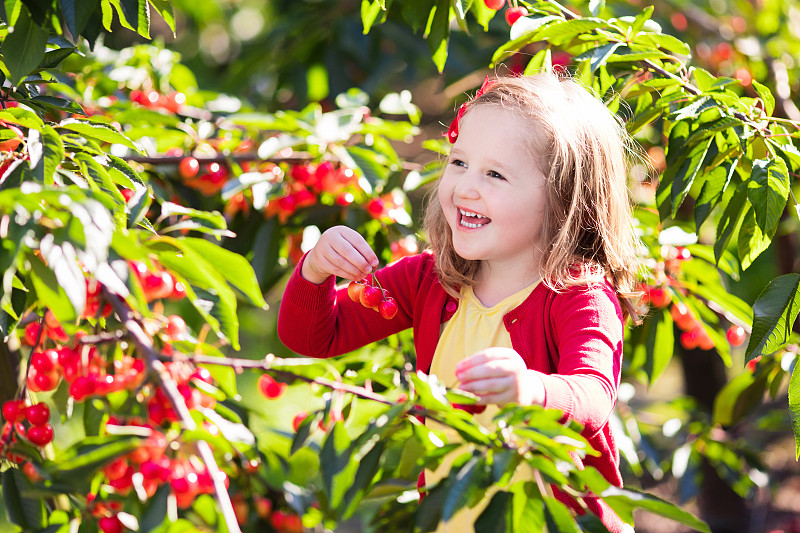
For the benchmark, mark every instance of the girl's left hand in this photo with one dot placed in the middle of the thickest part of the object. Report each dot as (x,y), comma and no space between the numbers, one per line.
(499,376)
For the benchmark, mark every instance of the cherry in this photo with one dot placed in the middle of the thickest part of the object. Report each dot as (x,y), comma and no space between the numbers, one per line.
(354,290)
(82,387)
(14,411)
(41,435)
(127,194)
(262,505)
(44,361)
(30,472)
(376,207)
(751,364)
(682,316)
(37,414)
(371,296)
(269,388)
(298,419)
(690,339)
(513,14)
(494,4)
(188,167)
(735,335)
(158,285)
(178,291)
(388,308)
(110,524)
(116,468)
(303,173)
(175,328)
(32,333)
(292,524)
(658,297)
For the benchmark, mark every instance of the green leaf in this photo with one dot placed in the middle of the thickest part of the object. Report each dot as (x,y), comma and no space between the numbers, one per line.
(439,32)
(599,56)
(774,313)
(495,517)
(625,501)
(766,96)
(370,11)
(165,9)
(768,190)
(337,465)
(208,291)
(76,14)
(558,518)
(28,513)
(737,398)
(794,408)
(98,130)
(683,175)
(52,58)
(458,493)
(51,293)
(234,267)
(660,345)
(713,187)
(24,47)
(560,33)
(729,221)
(91,454)
(752,240)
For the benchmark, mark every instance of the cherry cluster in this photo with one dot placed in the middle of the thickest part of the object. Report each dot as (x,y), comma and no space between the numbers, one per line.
(513,13)
(660,296)
(372,296)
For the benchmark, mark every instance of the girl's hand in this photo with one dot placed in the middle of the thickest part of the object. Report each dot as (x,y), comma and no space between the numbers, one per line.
(341,252)
(499,376)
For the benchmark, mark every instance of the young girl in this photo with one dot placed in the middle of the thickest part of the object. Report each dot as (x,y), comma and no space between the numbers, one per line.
(532,251)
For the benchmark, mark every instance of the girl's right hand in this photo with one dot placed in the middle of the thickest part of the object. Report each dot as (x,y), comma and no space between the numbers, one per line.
(341,252)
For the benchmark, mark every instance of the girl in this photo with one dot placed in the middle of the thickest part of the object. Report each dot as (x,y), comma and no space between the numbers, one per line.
(532,253)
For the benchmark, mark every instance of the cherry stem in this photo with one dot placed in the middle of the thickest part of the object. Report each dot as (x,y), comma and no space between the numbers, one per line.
(144,345)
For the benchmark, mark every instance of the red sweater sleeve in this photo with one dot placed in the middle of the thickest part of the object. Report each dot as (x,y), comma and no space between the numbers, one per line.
(322,320)
(587,326)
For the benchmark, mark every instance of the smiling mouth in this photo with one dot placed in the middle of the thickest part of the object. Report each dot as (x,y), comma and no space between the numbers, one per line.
(472,220)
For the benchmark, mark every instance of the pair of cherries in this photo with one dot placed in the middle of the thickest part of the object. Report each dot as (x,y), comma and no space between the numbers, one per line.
(369,293)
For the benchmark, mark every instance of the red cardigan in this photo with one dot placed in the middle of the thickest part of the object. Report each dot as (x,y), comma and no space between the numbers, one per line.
(573,338)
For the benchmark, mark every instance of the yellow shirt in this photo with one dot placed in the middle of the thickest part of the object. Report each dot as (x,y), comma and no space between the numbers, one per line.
(473,327)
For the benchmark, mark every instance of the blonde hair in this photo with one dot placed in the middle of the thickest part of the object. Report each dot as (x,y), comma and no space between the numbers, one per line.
(582,150)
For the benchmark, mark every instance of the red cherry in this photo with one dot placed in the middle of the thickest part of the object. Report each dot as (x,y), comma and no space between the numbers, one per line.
(175,328)
(751,364)
(269,388)
(32,333)
(298,419)
(354,290)
(38,414)
(14,411)
(110,524)
(188,167)
(658,297)
(158,285)
(44,361)
(682,316)
(371,297)
(178,292)
(82,387)
(513,14)
(735,335)
(41,435)
(494,4)
(683,253)
(376,207)
(388,308)
(292,524)
(127,194)
(690,339)
(303,173)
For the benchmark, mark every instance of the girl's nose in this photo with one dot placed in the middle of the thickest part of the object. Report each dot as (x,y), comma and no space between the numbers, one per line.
(466,187)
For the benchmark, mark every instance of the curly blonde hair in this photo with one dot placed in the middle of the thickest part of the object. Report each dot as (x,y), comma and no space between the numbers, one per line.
(583,151)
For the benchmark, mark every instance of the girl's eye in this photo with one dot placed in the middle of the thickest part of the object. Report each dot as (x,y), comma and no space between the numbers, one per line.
(458,163)
(497,175)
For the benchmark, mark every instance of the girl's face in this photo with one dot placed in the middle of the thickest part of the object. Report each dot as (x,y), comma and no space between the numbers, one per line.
(492,191)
